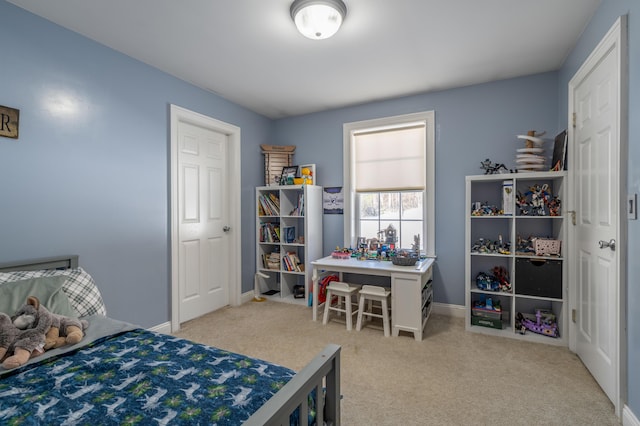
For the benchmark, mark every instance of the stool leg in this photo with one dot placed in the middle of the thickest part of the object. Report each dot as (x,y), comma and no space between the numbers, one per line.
(347,306)
(370,310)
(360,309)
(385,317)
(327,302)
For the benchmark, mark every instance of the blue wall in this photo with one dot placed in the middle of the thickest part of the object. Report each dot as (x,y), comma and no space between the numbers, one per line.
(602,21)
(94,179)
(90,172)
(472,123)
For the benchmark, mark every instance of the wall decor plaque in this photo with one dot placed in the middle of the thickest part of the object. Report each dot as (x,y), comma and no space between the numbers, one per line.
(9,122)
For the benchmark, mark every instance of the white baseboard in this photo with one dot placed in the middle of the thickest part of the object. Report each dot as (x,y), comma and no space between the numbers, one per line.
(246,297)
(457,311)
(628,418)
(164,328)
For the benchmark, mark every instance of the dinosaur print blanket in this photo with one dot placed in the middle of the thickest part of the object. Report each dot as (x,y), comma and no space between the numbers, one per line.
(139,377)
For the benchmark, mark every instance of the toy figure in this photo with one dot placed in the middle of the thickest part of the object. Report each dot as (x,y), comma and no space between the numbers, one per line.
(524,245)
(390,235)
(554,206)
(521,202)
(501,275)
(543,322)
(538,201)
(416,244)
(486,281)
(484,209)
(493,168)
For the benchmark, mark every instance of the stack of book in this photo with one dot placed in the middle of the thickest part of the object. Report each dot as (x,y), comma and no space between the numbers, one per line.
(291,262)
(271,260)
(298,210)
(270,233)
(269,205)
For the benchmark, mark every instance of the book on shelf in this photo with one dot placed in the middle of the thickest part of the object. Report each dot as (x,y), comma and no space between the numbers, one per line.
(271,260)
(269,233)
(270,204)
(298,210)
(292,263)
(289,234)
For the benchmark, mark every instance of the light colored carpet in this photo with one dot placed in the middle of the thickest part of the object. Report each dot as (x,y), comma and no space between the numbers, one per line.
(452,377)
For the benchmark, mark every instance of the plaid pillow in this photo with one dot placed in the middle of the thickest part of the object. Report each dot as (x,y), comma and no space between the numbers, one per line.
(79,287)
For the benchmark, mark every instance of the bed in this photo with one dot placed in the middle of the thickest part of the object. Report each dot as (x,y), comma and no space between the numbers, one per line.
(122,374)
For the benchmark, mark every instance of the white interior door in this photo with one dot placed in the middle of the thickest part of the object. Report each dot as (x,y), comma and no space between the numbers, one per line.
(204,283)
(595,99)
(203,246)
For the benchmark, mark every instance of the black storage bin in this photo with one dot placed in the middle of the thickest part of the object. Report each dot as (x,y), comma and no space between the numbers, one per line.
(539,277)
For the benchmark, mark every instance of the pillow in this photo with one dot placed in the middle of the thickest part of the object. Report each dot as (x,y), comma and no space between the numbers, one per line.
(48,290)
(79,287)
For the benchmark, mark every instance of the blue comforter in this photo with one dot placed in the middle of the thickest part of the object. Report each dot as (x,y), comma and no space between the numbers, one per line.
(139,377)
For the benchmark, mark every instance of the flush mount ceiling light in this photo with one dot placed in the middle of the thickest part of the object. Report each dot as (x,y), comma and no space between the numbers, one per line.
(318,19)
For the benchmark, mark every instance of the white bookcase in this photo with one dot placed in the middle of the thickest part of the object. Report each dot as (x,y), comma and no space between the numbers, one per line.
(282,211)
(543,278)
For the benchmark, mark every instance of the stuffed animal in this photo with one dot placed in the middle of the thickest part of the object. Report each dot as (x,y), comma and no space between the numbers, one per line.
(8,334)
(20,344)
(63,331)
(71,330)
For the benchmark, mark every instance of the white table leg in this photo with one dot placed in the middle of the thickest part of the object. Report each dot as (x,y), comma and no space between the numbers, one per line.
(314,303)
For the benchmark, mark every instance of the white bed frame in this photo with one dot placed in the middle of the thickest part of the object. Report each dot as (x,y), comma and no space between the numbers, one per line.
(321,374)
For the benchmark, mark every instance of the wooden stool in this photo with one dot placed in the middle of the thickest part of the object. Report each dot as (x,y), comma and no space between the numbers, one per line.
(373,293)
(344,292)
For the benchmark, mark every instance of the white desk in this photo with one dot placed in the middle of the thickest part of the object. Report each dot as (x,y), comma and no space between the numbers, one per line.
(411,289)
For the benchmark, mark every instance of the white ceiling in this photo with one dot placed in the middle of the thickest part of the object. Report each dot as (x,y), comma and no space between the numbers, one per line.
(249,51)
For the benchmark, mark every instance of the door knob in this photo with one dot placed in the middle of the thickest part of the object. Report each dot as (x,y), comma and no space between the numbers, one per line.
(226,228)
(611,244)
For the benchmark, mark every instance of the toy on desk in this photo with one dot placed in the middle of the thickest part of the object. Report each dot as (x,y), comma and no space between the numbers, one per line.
(405,258)
(543,322)
(389,235)
(339,253)
(416,244)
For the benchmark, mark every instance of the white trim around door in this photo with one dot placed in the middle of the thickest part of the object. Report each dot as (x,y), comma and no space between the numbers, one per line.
(613,45)
(177,115)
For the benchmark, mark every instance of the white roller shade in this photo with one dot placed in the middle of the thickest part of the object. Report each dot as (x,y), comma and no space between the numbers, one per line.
(390,159)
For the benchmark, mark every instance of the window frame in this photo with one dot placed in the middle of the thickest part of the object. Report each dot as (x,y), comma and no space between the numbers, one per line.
(350,203)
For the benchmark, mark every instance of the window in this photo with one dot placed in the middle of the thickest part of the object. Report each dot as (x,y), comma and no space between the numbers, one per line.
(389,172)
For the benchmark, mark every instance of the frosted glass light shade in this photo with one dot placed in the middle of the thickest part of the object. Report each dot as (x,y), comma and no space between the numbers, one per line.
(318,19)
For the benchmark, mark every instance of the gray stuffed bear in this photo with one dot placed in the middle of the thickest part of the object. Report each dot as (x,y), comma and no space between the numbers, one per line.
(19,344)
(63,330)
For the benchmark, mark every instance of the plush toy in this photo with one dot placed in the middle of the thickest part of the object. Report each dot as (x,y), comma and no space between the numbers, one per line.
(71,330)
(63,331)
(20,344)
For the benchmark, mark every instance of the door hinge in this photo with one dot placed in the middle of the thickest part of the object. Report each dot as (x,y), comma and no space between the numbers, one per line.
(573,315)
(572,213)
(574,120)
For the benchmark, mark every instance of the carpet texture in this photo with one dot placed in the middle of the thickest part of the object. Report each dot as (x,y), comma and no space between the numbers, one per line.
(452,377)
